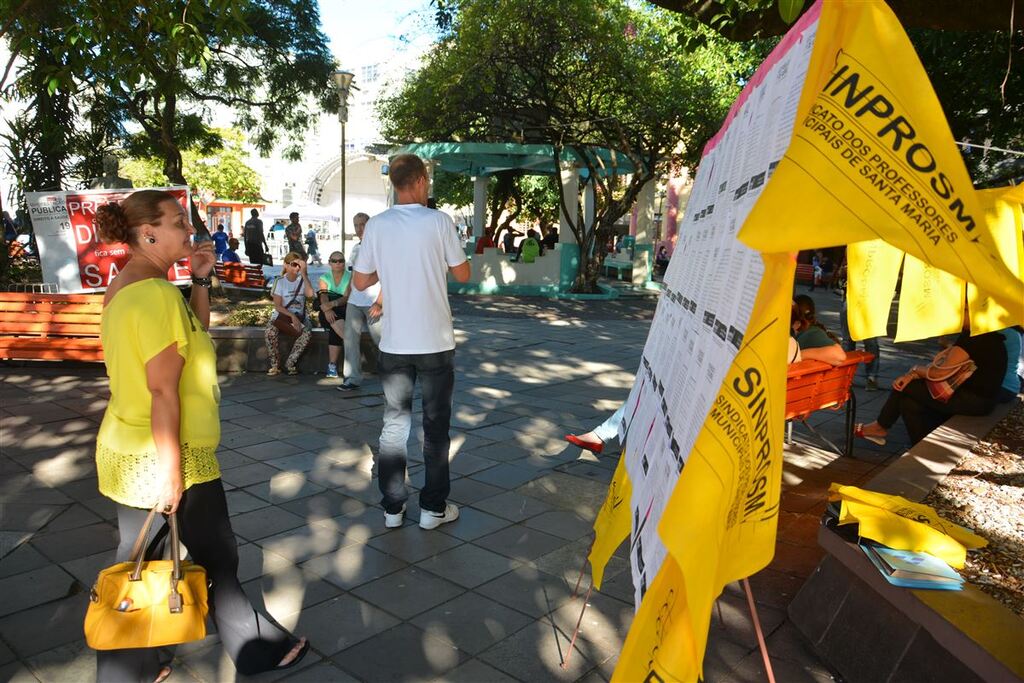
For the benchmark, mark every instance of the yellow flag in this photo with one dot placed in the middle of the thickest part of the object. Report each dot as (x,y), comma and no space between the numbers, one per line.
(612,525)
(661,645)
(719,524)
(872,270)
(901,533)
(1006,231)
(872,157)
(931,302)
(898,523)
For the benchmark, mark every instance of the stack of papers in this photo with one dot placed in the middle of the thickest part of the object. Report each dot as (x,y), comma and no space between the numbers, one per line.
(910,569)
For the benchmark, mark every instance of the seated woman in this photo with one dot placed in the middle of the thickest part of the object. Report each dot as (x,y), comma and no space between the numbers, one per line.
(816,342)
(333,297)
(912,400)
(289,294)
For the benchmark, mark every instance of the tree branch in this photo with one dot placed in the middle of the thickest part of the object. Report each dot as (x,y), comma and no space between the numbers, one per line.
(14,17)
(948,15)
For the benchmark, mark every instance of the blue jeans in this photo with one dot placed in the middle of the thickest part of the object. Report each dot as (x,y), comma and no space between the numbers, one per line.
(870,345)
(609,429)
(398,375)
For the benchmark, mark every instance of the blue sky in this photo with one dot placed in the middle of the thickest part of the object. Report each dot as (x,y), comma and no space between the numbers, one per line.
(365,31)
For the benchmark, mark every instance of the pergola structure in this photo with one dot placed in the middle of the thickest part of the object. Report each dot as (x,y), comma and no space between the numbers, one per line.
(480,160)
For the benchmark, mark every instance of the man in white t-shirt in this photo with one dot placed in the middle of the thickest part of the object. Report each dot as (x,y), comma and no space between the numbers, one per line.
(362,310)
(410,249)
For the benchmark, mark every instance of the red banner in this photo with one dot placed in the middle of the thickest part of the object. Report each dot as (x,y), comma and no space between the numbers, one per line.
(99,262)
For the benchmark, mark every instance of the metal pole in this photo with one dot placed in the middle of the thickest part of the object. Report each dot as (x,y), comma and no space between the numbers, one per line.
(769,673)
(343,113)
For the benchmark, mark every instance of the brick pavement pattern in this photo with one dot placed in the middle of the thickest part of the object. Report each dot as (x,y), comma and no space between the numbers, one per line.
(487,598)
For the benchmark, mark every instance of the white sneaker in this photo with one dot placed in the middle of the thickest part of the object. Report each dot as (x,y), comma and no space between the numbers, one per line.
(393,521)
(432,520)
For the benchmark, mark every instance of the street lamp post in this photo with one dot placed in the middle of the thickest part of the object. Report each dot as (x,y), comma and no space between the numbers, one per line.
(343,82)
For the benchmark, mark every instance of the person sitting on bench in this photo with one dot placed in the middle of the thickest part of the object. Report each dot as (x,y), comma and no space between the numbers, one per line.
(816,342)
(963,379)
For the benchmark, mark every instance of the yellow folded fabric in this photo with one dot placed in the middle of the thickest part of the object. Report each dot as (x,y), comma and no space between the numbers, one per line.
(898,523)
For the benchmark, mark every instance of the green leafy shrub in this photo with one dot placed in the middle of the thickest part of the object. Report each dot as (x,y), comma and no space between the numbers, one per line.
(255,314)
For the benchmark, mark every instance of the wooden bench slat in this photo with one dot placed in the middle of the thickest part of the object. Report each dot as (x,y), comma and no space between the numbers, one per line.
(46,318)
(34,296)
(32,342)
(52,329)
(51,349)
(54,353)
(28,306)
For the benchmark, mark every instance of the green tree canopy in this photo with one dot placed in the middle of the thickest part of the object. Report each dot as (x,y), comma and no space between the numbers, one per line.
(967,71)
(575,75)
(164,66)
(221,170)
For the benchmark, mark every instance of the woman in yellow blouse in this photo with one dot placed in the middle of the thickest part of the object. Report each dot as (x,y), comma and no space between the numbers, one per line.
(158,441)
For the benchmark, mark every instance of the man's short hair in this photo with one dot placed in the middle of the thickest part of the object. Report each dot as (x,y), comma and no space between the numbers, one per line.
(361,217)
(254,213)
(406,169)
(294,215)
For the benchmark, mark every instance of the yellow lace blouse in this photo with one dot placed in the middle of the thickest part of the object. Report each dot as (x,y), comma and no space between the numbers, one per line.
(143,319)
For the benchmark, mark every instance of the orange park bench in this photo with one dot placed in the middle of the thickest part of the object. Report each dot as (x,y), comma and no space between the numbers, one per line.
(812,385)
(240,276)
(50,326)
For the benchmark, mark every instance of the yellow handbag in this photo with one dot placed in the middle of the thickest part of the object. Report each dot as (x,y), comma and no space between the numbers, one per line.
(147,604)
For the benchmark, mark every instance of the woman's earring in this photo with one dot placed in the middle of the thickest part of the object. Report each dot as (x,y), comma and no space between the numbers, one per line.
(151,240)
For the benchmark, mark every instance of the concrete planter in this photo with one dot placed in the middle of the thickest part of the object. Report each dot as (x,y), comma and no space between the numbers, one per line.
(869,630)
(244,349)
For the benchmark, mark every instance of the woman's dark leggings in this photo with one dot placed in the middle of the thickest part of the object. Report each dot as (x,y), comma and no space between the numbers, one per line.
(253,642)
(922,414)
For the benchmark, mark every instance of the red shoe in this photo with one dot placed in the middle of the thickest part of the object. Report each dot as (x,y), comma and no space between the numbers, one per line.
(858,431)
(592,446)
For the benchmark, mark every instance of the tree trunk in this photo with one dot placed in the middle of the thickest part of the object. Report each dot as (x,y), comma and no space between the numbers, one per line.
(173,161)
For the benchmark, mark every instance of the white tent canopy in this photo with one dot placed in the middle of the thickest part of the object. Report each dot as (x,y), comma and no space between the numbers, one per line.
(307,212)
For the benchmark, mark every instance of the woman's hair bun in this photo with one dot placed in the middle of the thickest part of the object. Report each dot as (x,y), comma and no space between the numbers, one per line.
(112,224)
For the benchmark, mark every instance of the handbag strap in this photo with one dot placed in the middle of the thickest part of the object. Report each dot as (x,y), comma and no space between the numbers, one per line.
(938,371)
(139,549)
(175,548)
(138,556)
(174,601)
(295,297)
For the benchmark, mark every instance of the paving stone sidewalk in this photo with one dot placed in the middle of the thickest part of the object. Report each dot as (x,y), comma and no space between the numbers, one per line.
(487,598)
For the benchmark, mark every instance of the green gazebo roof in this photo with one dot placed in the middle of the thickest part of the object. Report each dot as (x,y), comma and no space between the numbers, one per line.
(487,158)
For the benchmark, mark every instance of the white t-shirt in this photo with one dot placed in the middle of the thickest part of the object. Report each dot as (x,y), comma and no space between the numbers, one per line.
(287,290)
(411,247)
(362,297)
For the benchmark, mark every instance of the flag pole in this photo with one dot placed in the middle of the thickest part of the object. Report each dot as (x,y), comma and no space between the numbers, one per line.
(576,632)
(583,568)
(757,629)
